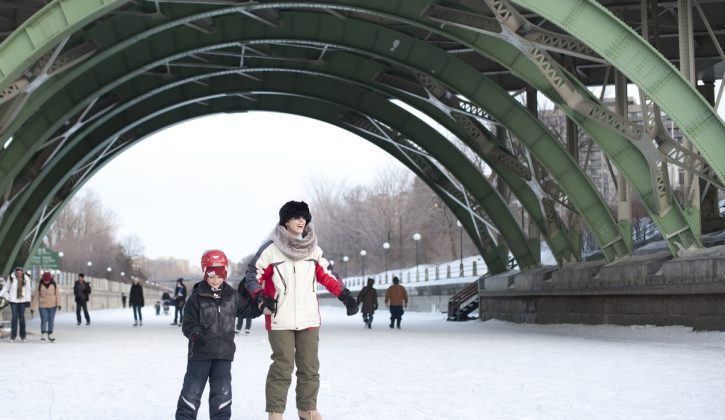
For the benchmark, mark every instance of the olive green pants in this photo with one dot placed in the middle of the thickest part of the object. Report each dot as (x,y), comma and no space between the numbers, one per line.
(290,348)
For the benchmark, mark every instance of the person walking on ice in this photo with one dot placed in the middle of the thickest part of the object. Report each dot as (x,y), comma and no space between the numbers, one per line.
(397,298)
(208,323)
(46,301)
(18,291)
(136,300)
(282,279)
(368,296)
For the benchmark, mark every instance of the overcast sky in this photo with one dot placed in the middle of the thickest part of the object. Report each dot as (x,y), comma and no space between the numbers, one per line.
(219,181)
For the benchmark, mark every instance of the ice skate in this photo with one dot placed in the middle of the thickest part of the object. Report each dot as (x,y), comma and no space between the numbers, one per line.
(51,338)
(42,337)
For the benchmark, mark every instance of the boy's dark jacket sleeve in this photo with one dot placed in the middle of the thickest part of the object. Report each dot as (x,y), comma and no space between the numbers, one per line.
(190,324)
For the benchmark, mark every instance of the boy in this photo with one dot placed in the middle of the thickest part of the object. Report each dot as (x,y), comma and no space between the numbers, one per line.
(208,323)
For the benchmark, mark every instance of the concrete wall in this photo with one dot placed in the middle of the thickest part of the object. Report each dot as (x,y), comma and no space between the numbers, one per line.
(702,312)
(650,289)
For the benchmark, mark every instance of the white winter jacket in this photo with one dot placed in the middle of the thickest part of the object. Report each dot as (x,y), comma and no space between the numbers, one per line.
(10,289)
(293,283)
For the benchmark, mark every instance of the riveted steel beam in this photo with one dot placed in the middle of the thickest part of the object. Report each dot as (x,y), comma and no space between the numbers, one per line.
(599,230)
(644,66)
(230,83)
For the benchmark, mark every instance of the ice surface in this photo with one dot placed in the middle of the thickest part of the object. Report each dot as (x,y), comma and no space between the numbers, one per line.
(431,369)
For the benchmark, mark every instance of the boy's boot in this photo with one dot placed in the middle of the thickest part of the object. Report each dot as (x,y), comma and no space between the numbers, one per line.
(275,416)
(309,415)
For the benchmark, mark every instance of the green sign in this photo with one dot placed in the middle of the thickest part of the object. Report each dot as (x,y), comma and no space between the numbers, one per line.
(44,258)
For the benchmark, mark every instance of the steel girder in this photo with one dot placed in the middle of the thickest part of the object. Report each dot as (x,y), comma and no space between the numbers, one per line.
(644,66)
(629,147)
(338,64)
(48,183)
(292,105)
(667,225)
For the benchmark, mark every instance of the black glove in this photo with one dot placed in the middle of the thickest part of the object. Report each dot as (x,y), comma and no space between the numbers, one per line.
(59,308)
(349,302)
(197,340)
(267,304)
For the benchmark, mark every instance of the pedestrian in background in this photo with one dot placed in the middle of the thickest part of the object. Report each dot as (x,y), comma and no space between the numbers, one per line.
(82,293)
(123,299)
(397,298)
(180,300)
(18,291)
(135,299)
(368,296)
(46,301)
(246,315)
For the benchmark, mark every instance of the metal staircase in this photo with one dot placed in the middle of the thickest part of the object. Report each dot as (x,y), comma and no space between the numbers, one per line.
(465,301)
(456,310)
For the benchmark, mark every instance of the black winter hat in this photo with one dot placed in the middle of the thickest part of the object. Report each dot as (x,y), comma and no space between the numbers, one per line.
(293,209)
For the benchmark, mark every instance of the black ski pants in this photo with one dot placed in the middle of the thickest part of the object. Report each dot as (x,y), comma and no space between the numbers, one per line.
(219,374)
(396,314)
(83,305)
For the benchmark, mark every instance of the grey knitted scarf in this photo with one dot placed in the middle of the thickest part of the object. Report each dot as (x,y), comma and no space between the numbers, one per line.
(292,247)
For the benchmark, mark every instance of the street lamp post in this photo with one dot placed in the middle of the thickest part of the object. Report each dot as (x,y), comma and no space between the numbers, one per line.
(386,247)
(416,238)
(89,264)
(345,259)
(363,253)
(460,228)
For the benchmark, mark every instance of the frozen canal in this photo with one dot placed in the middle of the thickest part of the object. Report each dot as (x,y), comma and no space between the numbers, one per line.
(431,369)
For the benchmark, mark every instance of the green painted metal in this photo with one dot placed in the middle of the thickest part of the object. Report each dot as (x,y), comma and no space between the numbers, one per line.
(43,183)
(644,66)
(304,110)
(585,206)
(45,29)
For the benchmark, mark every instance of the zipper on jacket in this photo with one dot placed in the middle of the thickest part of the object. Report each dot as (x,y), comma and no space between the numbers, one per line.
(284,283)
(219,327)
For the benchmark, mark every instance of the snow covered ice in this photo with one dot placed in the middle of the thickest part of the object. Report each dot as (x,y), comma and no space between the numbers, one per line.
(431,369)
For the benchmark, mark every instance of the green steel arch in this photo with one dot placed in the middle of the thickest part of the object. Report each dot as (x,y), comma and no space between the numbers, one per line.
(648,69)
(54,176)
(580,18)
(298,106)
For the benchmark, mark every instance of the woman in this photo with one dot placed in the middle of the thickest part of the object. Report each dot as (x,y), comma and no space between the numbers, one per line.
(135,299)
(47,301)
(18,291)
(282,279)
(368,296)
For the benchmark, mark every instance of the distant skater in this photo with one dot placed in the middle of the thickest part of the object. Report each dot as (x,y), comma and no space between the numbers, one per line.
(368,297)
(397,298)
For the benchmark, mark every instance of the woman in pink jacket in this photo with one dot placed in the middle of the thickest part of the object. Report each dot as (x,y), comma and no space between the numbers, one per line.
(46,300)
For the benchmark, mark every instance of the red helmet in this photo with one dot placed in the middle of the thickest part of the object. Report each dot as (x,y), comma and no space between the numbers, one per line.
(214,258)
